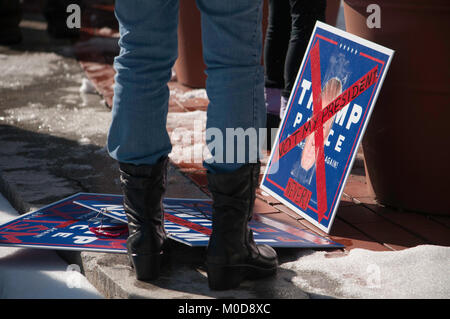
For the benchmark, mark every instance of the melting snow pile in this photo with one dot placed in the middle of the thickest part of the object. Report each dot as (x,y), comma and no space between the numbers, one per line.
(419,272)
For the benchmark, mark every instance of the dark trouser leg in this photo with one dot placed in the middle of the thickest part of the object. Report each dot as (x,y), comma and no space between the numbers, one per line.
(304,14)
(10,16)
(275,49)
(56,14)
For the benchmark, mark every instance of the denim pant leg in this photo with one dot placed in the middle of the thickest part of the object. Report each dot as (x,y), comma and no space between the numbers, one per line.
(148,50)
(232,47)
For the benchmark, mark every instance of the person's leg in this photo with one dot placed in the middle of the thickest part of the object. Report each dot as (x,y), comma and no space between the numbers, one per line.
(232,39)
(10,17)
(232,45)
(137,137)
(148,50)
(275,47)
(56,14)
(276,43)
(304,14)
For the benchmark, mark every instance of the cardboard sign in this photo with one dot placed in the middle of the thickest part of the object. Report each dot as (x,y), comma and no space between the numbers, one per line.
(184,219)
(190,221)
(63,225)
(68,225)
(328,110)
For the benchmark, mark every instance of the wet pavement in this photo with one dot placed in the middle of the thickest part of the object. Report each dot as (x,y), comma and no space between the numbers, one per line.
(52,136)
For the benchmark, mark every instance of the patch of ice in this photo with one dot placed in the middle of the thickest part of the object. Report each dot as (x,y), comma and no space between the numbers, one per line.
(87,86)
(186,119)
(21,70)
(187,133)
(40,274)
(84,141)
(192,94)
(62,120)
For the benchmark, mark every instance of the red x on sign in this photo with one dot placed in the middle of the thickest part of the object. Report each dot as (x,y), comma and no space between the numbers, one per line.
(319,118)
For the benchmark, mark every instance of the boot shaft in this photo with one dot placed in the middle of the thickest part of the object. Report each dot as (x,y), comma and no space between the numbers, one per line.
(143,187)
(232,255)
(233,201)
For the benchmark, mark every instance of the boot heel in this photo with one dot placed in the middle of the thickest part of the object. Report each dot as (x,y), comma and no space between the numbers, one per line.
(147,267)
(224,277)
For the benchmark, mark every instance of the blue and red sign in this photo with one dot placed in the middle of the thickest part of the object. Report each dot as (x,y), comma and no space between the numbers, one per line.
(65,225)
(328,110)
(96,222)
(190,221)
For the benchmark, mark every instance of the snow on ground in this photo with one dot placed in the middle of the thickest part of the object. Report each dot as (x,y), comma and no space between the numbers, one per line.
(187,133)
(65,117)
(38,273)
(21,70)
(182,96)
(418,272)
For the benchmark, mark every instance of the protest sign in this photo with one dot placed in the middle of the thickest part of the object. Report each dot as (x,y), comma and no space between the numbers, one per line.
(328,110)
(190,221)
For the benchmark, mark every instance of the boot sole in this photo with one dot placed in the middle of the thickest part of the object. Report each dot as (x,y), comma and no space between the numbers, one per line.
(230,277)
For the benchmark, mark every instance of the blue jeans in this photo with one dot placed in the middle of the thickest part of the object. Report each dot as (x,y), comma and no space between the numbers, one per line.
(232,47)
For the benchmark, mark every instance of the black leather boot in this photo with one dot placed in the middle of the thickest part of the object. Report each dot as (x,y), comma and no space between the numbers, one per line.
(232,255)
(143,187)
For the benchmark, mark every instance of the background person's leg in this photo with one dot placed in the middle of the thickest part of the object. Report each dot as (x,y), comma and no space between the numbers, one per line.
(10,17)
(277,42)
(56,14)
(275,48)
(304,14)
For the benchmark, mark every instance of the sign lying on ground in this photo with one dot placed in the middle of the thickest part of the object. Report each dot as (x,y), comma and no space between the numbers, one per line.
(190,221)
(63,225)
(90,222)
(328,110)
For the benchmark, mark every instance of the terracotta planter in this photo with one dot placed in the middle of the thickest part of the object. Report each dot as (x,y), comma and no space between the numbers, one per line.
(407,142)
(190,67)
(332,11)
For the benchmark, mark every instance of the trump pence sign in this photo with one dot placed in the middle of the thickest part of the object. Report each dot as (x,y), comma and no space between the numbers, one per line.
(328,110)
